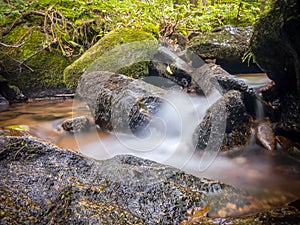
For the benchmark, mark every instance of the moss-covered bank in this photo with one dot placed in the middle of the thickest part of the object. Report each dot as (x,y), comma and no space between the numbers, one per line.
(32,66)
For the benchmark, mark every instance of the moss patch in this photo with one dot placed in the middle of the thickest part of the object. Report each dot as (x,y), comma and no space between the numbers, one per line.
(30,67)
(107,43)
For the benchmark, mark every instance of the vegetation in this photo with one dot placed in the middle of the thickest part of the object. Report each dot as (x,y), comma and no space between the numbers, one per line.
(75,25)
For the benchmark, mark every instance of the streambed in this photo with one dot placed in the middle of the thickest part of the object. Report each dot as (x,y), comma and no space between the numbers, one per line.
(273,178)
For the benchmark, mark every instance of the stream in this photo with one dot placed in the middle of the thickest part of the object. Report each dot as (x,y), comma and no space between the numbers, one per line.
(274,177)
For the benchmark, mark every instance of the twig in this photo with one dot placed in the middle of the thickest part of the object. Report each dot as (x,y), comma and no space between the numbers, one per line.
(20,149)
(12,46)
(20,63)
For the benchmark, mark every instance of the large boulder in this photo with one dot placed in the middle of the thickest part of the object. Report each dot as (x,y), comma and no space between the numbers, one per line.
(227,45)
(40,183)
(275,45)
(31,66)
(118,102)
(96,56)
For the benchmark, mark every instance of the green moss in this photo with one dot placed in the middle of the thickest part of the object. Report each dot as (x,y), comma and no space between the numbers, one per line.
(30,67)
(107,43)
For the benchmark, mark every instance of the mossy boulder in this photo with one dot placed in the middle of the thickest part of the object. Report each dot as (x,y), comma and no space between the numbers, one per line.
(100,56)
(227,45)
(32,67)
(276,48)
(275,45)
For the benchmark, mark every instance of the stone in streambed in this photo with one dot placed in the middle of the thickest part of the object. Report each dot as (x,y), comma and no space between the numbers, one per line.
(76,124)
(265,135)
(3,104)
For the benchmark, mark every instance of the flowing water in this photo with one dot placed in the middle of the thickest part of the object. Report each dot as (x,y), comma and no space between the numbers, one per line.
(272,177)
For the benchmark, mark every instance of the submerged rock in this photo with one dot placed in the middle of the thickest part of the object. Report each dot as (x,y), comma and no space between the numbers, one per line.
(232,131)
(76,124)
(118,102)
(227,45)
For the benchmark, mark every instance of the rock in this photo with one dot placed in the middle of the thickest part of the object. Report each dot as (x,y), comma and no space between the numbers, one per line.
(3,104)
(234,132)
(118,102)
(265,135)
(288,123)
(227,45)
(76,124)
(280,216)
(210,77)
(275,45)
(40,183)
(10,92)
(42,69)
(107,60)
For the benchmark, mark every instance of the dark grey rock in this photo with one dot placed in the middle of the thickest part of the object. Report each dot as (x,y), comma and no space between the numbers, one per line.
(40,183)
(3,103)
(234,132)
(275,45)
(118,102)
(227,45)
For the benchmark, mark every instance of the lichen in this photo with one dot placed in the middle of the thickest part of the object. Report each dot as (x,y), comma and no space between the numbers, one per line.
(107,43)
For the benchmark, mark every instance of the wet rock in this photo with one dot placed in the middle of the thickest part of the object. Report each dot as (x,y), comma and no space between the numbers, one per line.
(288,123)
(40,183)
(227,45)
(9,92)
(226,124)
(275,45)
(106,56)
(281,216)
(292,148)
(3,103)
(76,124)
(118,102)
(265,135)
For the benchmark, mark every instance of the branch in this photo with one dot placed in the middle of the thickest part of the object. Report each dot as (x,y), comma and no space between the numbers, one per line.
(12,46)
(20,63)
